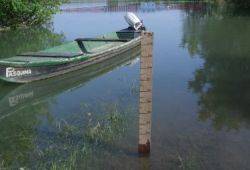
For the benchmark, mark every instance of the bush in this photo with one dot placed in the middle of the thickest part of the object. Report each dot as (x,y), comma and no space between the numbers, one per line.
(26,12)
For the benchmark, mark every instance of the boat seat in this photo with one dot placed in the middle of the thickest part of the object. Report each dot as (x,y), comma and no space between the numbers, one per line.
(83,48)
(128,31)
(50,54)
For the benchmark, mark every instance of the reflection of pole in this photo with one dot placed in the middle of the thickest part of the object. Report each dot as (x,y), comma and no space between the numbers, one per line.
(145,110)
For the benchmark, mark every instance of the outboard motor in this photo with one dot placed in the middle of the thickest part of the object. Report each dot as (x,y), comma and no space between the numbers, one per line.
(134,22)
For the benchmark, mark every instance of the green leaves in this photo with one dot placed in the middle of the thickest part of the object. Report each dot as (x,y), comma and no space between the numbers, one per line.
(14,13)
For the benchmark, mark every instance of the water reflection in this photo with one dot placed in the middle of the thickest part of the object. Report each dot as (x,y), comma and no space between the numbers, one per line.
(51,130)
(134,6)
(222,82)
(15,96)
(28,39)
(32,136)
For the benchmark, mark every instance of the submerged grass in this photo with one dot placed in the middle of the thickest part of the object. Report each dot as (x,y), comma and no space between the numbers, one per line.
(107,128)
(74,142)
(101,133)
(77,145)
(77,140)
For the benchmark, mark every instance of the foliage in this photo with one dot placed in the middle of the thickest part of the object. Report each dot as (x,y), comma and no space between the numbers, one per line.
(27,12)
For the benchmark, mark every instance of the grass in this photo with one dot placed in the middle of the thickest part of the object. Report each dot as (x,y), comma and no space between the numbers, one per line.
(80,144)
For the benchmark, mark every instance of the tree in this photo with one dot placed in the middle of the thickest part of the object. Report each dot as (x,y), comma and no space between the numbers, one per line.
(27,12)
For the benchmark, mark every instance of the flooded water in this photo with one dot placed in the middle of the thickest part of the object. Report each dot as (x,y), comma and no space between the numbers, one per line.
(89,119)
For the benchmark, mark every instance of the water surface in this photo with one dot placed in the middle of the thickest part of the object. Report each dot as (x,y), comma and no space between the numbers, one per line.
(88,119)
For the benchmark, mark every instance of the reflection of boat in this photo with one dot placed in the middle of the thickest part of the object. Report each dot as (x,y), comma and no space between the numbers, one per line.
(35,92)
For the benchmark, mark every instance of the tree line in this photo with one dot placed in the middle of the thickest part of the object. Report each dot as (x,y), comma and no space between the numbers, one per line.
(15,13)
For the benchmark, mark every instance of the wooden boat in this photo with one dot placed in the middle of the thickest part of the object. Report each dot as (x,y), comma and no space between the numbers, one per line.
(68,57)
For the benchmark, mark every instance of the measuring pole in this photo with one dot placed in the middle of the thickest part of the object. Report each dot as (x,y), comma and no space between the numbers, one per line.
(145,110)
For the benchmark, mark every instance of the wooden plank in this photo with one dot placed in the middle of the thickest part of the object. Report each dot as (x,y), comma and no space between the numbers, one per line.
(145,108)
(52,55)
(102,39)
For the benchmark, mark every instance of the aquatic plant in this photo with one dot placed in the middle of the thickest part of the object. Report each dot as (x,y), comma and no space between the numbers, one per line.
(106,128)
(75,142)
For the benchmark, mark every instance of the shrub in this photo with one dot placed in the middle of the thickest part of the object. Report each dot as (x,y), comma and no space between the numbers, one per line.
(27,12)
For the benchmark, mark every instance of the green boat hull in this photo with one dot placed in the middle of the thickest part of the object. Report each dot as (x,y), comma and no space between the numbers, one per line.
(32,67)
